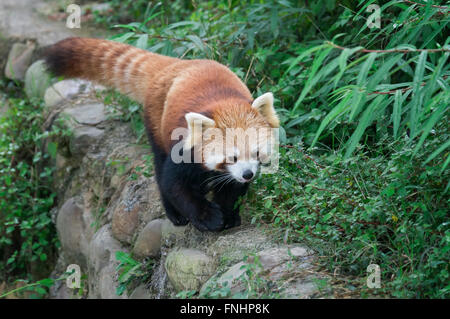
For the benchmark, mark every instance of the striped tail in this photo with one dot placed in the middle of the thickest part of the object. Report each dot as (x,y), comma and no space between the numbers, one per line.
(113,64)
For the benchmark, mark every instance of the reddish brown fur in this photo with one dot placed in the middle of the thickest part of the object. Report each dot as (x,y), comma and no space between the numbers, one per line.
(167,87)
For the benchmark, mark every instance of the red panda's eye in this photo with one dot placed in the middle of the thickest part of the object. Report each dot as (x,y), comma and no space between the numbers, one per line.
(235,159)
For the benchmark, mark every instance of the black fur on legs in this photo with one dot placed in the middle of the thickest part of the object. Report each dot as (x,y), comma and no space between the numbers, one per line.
(183,186)
(226,197)
(159,158)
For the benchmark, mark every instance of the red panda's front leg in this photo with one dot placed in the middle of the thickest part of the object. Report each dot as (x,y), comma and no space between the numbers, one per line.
(227,197)
(179,188)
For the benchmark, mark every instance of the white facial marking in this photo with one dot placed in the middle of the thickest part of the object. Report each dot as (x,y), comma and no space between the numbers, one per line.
(212,161)
(237,170)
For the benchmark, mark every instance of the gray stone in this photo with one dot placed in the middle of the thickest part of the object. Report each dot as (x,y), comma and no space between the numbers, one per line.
(102,249)
(228,279)
(274,257)
(169,230)
(141,293)
(60,291)
(301,288)
(107,283)
(231,247)
(288,266)
(124,223)
(19,59)
(4,106)
(82,138)
(46,9)
(87,114)
(153,202)
(71,231)
(102,264)
(148,243)
(189,269)
(18,18)
(37,80)
(66,90)
(134,207)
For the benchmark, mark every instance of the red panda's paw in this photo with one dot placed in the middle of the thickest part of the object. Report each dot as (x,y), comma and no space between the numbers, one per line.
(213,218)
(232,220)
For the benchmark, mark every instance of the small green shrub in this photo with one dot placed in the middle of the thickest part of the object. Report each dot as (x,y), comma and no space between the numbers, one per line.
(131,272)
(27,235)
(386,209)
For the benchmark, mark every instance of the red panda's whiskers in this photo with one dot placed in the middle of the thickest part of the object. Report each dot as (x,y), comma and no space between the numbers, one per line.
(220,180)
(214,178)
(227,180)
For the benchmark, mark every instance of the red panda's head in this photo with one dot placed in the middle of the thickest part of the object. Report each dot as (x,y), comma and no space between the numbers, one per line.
(235,139)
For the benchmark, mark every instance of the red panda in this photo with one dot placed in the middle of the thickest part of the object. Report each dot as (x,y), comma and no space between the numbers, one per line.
(187,94)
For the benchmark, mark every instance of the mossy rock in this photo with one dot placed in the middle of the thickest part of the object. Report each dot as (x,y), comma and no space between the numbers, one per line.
(37,80)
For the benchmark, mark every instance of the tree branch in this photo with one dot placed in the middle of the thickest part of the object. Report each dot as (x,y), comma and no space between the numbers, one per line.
(391,50)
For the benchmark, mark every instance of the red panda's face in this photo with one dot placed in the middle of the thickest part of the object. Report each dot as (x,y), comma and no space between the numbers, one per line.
(236,140)
(237,152)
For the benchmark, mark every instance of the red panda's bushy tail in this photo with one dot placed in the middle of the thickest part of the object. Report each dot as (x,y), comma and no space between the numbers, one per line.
(114,64)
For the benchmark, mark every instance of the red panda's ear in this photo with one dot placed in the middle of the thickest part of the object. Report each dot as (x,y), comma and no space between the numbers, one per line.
(196,124)
(264,104)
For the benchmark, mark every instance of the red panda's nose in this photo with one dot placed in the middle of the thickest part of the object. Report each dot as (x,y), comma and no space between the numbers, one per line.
(248,174)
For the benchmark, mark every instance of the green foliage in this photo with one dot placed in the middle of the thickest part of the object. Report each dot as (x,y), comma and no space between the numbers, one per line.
(27,234)
(256,285)
(388,210)
(124,109)
(40,288)
(36,290)
(131,272)
(186,294)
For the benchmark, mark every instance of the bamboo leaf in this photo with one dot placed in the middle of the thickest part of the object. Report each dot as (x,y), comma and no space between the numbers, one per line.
(447,161)
(397,112)
(311,79)
(437,152)
(346,53)
(383,71)
(360,82)
(364,122)
(336,111)
(417,95)
(437,115)
(430,87)
(305,53)
(142,41)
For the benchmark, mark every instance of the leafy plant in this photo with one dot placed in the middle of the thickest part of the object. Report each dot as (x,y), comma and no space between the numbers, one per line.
(27,235)
(38,289)
(389,211)
(131,271)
